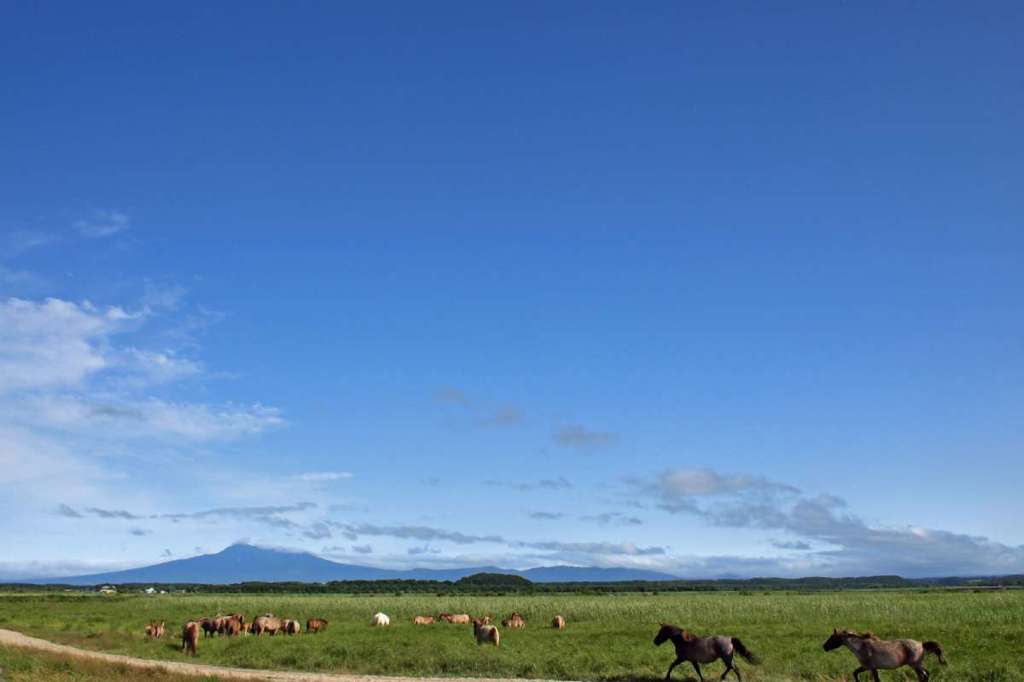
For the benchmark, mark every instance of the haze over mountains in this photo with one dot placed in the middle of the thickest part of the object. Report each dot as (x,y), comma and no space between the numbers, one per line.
(248,563)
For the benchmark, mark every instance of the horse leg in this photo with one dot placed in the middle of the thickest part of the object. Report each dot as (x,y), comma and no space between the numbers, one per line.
(697,668)
(857,672)
(874,675)
(670,668)
(729,665)
(922,674)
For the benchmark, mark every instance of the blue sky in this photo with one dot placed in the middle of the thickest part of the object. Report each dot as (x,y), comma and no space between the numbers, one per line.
(719,290)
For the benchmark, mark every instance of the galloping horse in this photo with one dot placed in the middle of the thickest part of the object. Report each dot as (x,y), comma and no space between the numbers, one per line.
(876,654)
(696,650)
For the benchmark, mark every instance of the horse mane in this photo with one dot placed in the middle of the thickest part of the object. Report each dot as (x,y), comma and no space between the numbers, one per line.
(864,635)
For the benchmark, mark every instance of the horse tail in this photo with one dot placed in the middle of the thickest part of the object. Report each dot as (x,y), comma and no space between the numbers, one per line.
(744,651)
(935,648)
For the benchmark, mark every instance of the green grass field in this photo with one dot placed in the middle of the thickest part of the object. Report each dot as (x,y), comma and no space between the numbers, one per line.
(608,637)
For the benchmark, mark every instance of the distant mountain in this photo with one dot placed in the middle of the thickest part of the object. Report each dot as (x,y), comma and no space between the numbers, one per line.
(246,563)
(589,574)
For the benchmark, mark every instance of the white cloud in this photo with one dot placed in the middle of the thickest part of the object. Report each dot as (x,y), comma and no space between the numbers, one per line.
(852,546)
(53,343)
(103,224)
(324,476)
(157,367)
(107,416)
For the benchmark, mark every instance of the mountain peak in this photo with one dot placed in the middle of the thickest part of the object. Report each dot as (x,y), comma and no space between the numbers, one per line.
(244,562)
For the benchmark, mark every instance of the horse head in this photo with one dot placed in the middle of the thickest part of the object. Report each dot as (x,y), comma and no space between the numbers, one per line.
(835,641)
(664,634)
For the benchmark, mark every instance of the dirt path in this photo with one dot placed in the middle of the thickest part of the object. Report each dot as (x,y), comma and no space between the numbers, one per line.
(16,639)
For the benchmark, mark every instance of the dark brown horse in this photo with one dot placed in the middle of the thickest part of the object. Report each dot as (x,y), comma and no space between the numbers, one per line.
(876,654)
(697,650)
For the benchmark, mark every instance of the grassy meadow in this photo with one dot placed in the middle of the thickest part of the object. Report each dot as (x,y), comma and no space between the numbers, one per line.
(18,665)
(609,637)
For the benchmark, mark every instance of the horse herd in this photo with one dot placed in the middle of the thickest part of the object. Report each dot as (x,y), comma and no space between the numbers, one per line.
(234,624)
(872,653)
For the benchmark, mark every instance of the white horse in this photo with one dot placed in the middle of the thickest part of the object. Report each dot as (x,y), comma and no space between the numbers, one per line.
(380,620)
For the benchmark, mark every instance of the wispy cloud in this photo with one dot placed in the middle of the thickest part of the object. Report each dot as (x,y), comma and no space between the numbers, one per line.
(588,548)
(355,531)
(318,531)
(560,483)
(112,513)
(422,549)
(65,510)
(482,412)
(241,512)
(612,518)
(546,516)
(103,223)
(323,476)
(579,437)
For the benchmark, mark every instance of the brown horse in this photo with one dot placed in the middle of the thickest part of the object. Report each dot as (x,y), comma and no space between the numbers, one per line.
(514,622)
(291,627)
(155,630)
(232,627)
(457,618)
(423,620)
(558,623)
(315,625)
(231,624)
(697,650)
(876,654)
(190,637)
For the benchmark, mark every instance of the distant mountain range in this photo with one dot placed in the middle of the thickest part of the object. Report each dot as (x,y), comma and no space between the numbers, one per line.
(247,563)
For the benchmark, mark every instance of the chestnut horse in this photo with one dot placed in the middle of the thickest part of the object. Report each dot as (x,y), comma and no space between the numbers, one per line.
(876,654)
(190,637)
(697,650)
(514,622)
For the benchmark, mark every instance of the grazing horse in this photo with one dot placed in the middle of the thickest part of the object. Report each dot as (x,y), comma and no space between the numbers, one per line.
(423,620)
(315,625)
(485,632)
(457,618)
(268,624)
(876,654)
(514,622)
(697,650)
(558,623)
(291,627)
(209,626)
(380,620)
(190,637)
(230,625)
(155,630)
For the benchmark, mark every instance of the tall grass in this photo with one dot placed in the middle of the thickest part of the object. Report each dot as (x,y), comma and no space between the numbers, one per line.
(609,637)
